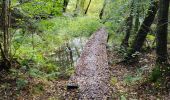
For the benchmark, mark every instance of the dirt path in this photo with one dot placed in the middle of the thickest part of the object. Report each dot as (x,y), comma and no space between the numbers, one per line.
(92,73)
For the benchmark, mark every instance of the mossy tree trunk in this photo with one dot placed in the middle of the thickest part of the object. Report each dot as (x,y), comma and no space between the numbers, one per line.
(5,47)
(129,24)
(144,29)
(137,23)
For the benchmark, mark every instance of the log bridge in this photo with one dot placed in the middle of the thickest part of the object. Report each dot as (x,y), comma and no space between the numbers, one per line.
(92,74)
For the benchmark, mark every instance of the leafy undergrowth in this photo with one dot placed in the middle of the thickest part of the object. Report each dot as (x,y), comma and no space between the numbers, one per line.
(26,87)
(133,81)
(128,82)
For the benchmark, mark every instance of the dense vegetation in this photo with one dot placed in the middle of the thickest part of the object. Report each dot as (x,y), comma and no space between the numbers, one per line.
(41,40)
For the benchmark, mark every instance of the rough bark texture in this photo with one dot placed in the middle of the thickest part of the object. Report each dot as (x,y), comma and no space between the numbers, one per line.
(162,26)
(6,36)
(137,23)
(129,24)
(92,73)
(145,28)
(5,26)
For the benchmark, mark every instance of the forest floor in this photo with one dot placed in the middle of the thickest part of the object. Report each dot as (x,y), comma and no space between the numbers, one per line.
(129,82)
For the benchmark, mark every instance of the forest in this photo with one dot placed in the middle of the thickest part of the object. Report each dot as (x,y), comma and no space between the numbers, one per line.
(84,50)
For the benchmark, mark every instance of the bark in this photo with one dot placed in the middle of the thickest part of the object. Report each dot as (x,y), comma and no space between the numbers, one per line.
(102,10)
(5,25)
(70,54)
(137,15)
(129,24)
(77,52)
(87,7)
(92,70)
(162,25)
(145,28)
(65,4)
(6,36)
(136,26)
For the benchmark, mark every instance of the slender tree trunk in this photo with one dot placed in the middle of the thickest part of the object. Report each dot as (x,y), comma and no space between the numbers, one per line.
(70,54)
(77,52)
(5,26)
(102,10)
(6,35)
(162,25)
(137,15)
(129,24)
(145,28)
(79,7)
(136,26)
(65,4)
(87,8)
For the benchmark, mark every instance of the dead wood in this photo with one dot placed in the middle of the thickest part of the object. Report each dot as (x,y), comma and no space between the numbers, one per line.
(92,73)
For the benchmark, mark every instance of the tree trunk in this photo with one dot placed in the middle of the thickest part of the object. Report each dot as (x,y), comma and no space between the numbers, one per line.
(5,26)
(136,26)
(137,15)
(87,8)
(70,54)
(129,24)
(6,36)
(125,41)
(92,70)
(102,10)
(77,52)
(65,4)
(144,29)
(79,7)
(162,25)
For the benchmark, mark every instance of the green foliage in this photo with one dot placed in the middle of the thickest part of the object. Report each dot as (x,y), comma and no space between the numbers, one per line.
(156,74)
(35,49)
(150,37)
(116,13)
(21,83)
(123,97)
(38,88)
(75,27)
(113,80)
(132,79)
(42,8)
(121,50)
(34,72)
(150,40)
(94,9)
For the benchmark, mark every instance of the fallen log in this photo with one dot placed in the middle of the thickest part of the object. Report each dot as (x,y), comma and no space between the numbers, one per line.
(92,74)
